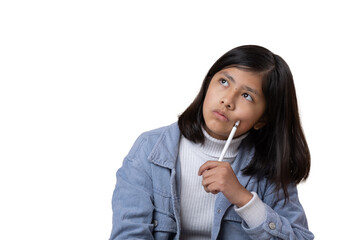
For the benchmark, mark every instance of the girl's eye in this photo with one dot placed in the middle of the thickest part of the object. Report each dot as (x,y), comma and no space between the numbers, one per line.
(224,82)
(248,97)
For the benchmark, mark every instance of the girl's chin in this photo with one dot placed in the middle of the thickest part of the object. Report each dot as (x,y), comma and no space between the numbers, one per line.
(217,134)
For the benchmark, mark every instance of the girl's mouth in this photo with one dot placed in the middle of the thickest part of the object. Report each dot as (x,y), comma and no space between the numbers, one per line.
(221,116)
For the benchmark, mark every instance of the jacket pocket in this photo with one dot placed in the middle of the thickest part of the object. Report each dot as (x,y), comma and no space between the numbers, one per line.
(232,216)
(231,227)
(164,222)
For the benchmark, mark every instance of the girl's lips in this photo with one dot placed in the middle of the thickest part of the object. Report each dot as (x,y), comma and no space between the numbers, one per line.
(220,115)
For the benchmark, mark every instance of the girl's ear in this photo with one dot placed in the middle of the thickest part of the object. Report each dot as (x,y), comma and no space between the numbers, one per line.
(261,123)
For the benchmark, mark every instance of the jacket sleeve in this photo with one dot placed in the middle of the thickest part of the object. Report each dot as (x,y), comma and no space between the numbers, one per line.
(132,200)
(284,220)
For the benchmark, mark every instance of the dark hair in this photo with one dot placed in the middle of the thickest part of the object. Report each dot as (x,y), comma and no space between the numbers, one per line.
(281,151)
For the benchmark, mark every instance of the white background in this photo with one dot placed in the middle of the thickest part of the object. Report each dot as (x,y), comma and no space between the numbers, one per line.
(80,80)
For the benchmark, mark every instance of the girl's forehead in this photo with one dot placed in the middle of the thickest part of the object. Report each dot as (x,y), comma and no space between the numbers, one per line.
(236,71)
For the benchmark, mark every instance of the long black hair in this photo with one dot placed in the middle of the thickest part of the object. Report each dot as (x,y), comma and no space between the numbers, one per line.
(281,151)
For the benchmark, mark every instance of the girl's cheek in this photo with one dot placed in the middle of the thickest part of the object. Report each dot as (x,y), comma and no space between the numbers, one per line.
(243,129)
(248,118)
(244,112)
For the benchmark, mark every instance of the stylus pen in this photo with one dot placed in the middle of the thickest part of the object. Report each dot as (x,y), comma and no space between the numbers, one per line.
(232,133)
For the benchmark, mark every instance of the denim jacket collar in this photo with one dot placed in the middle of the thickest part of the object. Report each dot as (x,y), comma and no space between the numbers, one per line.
(165,151)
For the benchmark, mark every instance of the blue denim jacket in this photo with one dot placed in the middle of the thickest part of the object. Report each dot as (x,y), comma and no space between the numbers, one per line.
(146,199)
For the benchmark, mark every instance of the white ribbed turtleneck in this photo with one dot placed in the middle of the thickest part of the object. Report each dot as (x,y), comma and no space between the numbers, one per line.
(197,206)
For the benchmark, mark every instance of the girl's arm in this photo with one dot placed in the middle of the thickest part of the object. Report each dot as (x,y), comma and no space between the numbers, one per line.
(132,203)
(278,220)
(283,221)
(132,200)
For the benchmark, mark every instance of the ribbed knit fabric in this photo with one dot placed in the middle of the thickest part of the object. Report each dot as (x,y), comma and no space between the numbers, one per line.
(254,212)
(197,206)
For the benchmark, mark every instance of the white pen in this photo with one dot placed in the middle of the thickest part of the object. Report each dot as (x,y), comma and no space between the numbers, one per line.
(232,133)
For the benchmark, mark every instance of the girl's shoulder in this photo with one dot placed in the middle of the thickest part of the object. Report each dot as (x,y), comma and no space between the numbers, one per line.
(157,138)
(159,133)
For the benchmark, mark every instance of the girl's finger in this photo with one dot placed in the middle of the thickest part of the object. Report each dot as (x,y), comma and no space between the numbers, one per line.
(208,165)
(210,189)
(206,182)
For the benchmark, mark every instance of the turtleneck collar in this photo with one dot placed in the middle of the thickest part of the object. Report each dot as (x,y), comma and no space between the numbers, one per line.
(213,147)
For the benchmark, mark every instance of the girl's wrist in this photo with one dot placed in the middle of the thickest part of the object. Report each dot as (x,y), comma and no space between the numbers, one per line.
(254,212)
(244,197)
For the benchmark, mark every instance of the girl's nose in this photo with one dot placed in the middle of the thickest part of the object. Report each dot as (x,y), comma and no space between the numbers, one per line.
(228,102)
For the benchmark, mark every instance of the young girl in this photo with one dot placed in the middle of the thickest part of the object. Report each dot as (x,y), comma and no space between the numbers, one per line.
(172,186)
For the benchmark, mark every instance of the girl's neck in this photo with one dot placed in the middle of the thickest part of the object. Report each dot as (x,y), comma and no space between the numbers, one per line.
(213,147)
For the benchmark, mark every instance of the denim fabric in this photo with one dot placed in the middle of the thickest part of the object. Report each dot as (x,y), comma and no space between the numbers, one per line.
(146,199)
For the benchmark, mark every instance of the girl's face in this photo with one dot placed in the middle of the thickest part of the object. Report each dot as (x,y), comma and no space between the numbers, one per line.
(233,94)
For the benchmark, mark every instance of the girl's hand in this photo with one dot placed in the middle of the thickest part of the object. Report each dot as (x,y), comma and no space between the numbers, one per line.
(220,177)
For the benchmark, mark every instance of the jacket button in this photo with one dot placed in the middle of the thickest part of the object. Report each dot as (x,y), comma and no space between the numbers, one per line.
(218,211)
(272,226)
(155,223)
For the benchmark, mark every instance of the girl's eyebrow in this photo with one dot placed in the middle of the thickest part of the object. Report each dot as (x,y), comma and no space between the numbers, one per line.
(247,88)
(229,77)
(250,90)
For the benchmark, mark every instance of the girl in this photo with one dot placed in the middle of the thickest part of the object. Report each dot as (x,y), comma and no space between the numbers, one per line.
(171,185)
